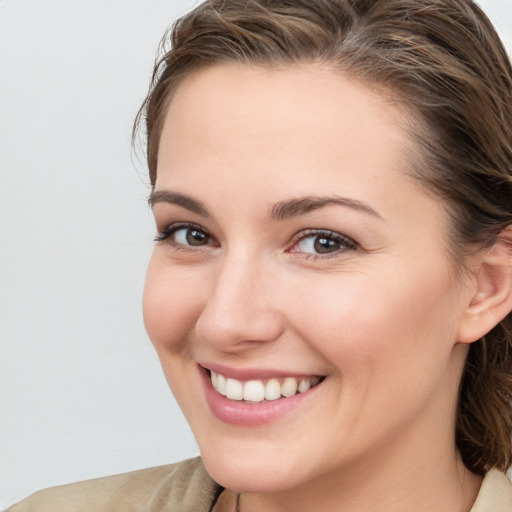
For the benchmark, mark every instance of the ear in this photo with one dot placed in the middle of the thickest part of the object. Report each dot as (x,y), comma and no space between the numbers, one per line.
(492,298)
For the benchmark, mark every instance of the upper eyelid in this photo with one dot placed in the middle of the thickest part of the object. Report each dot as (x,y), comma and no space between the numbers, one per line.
(175,226)
(319,231)
(166,232)
(327,232)
(350,245)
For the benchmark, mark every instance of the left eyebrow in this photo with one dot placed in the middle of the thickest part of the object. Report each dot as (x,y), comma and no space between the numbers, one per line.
(183,200)
(295,207)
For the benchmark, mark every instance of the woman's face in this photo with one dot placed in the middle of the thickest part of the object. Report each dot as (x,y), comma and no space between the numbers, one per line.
(295,250)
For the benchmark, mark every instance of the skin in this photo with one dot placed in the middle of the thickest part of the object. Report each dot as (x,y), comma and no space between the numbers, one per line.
(381,317)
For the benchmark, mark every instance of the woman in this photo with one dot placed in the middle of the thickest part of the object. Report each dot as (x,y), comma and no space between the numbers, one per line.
(331,285)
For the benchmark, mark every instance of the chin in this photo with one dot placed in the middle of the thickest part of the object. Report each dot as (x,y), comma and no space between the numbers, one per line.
(250,474)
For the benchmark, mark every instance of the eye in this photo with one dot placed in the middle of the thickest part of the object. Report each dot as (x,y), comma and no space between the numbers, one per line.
(322,242)
(191,236)
(184,234)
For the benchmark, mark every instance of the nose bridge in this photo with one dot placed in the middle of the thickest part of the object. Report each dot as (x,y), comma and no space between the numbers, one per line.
(240,307)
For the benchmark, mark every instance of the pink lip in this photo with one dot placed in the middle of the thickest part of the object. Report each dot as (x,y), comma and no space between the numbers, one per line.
(243,414)
(244,375)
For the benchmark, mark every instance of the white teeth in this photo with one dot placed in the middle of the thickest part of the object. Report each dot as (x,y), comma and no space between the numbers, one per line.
(256,391)
(304,385)
(272,390)
(289,386)
(221,383)
(234,389)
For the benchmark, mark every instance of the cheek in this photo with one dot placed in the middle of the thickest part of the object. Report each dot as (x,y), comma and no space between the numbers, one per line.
(388,343)
(171,306)
(379,322)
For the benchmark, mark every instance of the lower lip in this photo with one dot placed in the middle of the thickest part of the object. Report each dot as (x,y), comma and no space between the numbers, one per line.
(244,414)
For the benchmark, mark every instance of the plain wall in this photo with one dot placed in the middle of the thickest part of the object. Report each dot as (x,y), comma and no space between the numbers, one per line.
(81,390)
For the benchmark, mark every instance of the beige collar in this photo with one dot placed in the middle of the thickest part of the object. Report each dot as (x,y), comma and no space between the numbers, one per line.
(495,494)
(227,502)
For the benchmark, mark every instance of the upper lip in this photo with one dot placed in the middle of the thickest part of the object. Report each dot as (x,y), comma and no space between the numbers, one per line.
(245,374)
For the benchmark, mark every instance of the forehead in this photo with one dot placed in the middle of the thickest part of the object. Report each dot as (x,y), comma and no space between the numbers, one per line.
(257,124)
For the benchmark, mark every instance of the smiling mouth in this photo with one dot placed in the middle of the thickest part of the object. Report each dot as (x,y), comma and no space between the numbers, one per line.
(261,391)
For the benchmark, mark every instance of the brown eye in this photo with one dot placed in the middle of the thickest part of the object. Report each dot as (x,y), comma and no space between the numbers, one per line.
(187,235)
(323,243)
(196,237)
(191,236)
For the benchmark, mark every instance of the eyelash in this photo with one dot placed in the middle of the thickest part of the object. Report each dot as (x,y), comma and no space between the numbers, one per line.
(347,243)
(165,234)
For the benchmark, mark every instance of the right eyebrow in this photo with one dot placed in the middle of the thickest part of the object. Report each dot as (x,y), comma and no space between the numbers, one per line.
(167,196)
(295,207)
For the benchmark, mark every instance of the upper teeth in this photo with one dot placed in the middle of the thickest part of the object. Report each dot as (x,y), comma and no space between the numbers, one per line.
(258,390)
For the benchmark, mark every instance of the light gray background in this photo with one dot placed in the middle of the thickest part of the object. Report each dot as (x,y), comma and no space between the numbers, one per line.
(81,391)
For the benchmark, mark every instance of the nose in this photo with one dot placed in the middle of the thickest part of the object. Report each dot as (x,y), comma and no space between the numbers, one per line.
(241,311)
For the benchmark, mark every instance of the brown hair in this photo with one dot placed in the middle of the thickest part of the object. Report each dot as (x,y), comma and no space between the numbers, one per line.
(443,62)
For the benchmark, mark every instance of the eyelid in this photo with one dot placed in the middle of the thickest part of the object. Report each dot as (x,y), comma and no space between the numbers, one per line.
(165,233)
(344,239)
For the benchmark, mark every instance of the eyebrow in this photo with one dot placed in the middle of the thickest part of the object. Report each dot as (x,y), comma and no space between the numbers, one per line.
(280,211)
(166,196)
(296,207)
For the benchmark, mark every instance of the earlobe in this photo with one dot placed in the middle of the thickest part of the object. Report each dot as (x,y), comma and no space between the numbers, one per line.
(492,300)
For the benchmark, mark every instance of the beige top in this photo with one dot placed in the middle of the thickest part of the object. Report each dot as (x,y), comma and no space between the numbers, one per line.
(187,487)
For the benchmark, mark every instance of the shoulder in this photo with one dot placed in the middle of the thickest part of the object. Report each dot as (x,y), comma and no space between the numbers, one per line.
(495,494)
(147,490)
